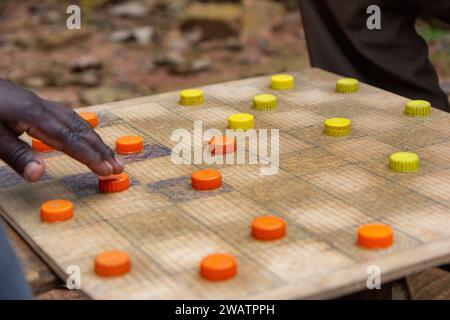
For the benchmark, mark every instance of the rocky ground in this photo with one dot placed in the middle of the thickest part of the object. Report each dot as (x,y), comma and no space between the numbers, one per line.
(128,49)
(133,48)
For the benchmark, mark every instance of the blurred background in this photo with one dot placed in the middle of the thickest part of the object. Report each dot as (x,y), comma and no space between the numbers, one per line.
(126,49)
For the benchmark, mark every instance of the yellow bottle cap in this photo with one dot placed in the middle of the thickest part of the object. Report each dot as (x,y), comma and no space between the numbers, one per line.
(282,82)
(192,97)
(338,127)
(404,162)
(241,121)
(347,85)
(418,108)
(264,102)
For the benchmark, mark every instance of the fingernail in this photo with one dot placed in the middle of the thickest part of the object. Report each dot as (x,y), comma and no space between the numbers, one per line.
(33,171)
(119,162)
(110,168)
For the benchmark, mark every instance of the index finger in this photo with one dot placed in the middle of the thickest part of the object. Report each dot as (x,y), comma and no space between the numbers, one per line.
(65,130)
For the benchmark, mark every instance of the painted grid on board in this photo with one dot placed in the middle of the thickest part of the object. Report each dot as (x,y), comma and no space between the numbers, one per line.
(325,188)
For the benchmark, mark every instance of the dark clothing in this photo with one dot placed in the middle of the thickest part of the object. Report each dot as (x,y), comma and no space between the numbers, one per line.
(12,282)
(394,58)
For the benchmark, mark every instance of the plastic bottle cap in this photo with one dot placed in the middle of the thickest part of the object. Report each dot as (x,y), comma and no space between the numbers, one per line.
(207,179)
(90,117)
(112,264)
(347,85)
(56,211)
(375,236)
(114,183)
(338,127)
(268,228)
(264,102)
(242,121)
(192,97)
(129,144)
(282,82)
(218,267)
(222,144)
(418,108)
(39,146)
(404,162)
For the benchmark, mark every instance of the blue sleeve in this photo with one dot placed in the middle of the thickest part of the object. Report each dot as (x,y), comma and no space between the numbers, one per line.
(12,281)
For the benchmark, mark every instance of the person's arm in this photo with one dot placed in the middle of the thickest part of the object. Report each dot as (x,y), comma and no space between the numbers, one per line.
(394,58)
(13,285)
(23,111)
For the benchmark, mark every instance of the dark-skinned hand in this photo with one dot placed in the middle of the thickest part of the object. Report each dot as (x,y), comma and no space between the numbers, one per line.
(23,111)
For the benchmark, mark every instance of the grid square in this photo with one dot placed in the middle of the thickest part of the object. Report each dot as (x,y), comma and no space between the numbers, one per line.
(251,278)
(183,252)
(158,169)
(180,189)
(373,122)
(111,133)
(119,204)
(346,241)
(150,151)
(437,153)
(299,260)
(293,119)
(325,215)
(348,179)
(435,185)
(310,161)
(361,149)
(223,209)
(384,200)
(65,245)
(9,178)
(411,137)
(155,224)
(152,117)
(58,167)
(106,118)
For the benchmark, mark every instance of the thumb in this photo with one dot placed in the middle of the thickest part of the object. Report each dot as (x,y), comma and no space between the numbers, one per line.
(19,155)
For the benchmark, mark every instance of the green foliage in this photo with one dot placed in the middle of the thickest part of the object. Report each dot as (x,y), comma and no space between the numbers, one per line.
(430,33)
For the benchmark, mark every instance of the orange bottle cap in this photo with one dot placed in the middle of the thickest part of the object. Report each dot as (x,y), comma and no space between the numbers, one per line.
(90,117)
(114,183)
(129,144)
(39,146)
(218,267)
(268,228)
(206,179)
(56,211)
(375,236)
(112,264)
(222,145)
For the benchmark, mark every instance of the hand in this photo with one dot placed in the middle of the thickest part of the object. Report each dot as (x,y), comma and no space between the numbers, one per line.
(23,111)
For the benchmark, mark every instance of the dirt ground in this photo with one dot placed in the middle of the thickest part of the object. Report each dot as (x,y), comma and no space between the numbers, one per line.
(105,61)
(87,66)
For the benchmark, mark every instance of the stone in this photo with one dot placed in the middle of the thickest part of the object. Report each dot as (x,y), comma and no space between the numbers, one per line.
(103,94)
(142,35)
(131,9)
(216,20)
(85,63)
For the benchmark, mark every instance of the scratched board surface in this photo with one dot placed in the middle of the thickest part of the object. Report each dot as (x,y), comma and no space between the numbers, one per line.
(325,188)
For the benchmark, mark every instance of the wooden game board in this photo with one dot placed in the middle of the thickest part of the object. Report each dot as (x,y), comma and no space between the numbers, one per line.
(325,188)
